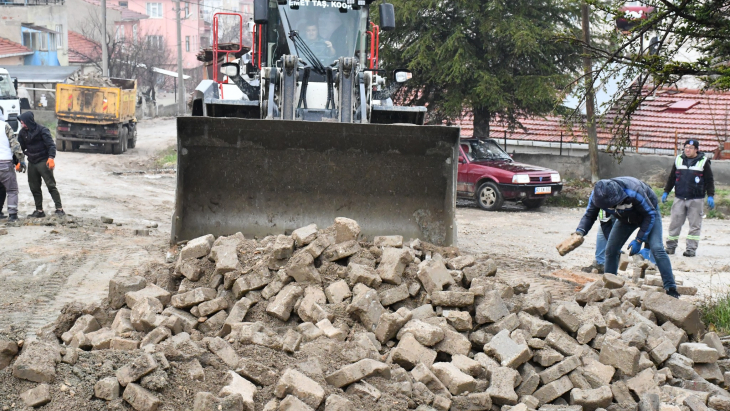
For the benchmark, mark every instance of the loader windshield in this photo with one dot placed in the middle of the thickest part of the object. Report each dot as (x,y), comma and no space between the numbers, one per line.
(320,32)
(7,90)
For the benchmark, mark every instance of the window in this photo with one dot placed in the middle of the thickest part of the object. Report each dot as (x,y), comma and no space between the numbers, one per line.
(187,10)
(43,43)
(134,34)
(155,42)
(124,4)
(187,43)
(59,36)
(154,10)
(52,41)
(120,33)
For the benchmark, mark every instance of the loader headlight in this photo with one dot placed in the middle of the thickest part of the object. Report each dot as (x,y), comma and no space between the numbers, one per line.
(401,76)
(520,179)
(230,69)
(555,178)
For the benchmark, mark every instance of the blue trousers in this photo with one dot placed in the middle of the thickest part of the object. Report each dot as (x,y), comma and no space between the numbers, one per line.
(621,232)
(600,247)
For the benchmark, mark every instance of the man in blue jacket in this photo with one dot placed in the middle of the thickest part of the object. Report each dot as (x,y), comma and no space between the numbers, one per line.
(634,205)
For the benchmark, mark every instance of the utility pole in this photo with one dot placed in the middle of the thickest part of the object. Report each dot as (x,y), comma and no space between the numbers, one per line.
(590,94)
(104,51)
(181,101)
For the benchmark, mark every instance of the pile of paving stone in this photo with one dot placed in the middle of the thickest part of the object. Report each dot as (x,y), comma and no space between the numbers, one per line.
(382,325)
(91,80)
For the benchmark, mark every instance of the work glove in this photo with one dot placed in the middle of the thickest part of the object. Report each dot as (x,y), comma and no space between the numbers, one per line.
(664,197)
(711,202)
(634,247)
(21,167)
(51,164)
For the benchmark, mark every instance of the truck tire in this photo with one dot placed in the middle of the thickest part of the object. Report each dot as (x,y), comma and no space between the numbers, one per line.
(132,142)
(531,204)
(108,148)
(60,144)
(489,197)
(123,139)
(117,148)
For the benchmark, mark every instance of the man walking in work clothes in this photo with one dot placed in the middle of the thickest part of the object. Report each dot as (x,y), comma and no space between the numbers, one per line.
(634,205)
(39,147)
(691,177)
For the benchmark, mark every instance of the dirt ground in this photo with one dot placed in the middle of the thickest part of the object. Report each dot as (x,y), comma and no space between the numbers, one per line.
(43,267)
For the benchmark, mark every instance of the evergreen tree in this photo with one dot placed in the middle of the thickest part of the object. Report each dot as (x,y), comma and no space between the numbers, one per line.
(499,59)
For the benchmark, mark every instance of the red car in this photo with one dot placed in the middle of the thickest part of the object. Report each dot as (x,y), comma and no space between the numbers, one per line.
(488,175)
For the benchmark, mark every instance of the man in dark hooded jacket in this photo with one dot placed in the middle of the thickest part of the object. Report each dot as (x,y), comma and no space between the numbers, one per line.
(39,147)
(633,205)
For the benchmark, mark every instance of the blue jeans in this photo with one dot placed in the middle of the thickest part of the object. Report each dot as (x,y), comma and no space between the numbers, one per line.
(621,232)
(600,247)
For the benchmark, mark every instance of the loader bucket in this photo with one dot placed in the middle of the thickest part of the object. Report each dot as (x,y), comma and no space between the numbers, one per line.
(263,177)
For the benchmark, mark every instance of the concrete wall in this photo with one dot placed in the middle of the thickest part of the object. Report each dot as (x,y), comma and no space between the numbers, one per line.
(11,61)
(86,19)
(642,166)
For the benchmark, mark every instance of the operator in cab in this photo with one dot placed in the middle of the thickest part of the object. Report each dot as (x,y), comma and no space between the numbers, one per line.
(321,47)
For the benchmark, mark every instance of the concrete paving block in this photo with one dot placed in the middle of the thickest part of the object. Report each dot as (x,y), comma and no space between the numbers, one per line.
(193,297)
(393,295)
(612,281)
(558,370)
(120,286)
(35,397)
(453,343)
(409,353)
(618,354)
(537,303)
(282,306)
(295,383)
(197,247)
(390,323)
(107,389)
(695,404)
(461,262)
(434,275)
(586,333)
(502,386)
(304,235)
(453,378)
(535,326)
(546,357)
(530,380)
(388,241)
(358,273)
(566,315)
(367,308)
(355,372)
(393,263)
(85,324)
(643,383)
(301,268)
(699,352)
(460,320)
(339,251)
(364,390)
(712,340)
(467,365)
(682,313)
(283,247)
(37,362)
(549,392)
(426,334)
(491,308)
(137,369)
(337,292)
(421,373)
(507,351)
(597,371)
(238,385)
(592,399)
(141,399)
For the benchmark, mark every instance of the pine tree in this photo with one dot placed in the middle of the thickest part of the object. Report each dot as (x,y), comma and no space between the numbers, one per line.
(499,59)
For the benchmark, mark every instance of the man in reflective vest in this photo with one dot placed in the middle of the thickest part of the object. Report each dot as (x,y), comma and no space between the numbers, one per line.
(691,178)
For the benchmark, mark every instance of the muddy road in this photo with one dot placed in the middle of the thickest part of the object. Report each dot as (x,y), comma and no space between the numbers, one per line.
(44,266)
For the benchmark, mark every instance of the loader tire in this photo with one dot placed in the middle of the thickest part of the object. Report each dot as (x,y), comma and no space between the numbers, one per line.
(489,197)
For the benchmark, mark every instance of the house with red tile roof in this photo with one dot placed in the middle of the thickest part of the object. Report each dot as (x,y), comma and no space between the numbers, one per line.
(82,50)
(12,53)
(663,122)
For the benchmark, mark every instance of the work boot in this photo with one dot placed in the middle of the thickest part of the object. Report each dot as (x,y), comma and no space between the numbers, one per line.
(37,214)
(689,253)
(13,217)
(672,292)
(60,213)
(599,267)
(590,268)
(669,250)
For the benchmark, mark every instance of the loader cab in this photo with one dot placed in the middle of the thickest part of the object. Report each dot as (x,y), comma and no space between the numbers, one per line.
(318,32)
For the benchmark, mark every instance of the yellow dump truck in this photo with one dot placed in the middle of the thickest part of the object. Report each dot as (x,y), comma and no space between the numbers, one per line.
(102,116)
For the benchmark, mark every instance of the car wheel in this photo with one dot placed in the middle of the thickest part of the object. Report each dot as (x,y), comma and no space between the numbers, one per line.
(533,203)
(489,197)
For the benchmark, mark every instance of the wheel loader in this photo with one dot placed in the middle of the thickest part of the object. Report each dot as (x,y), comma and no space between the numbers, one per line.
(303,128)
